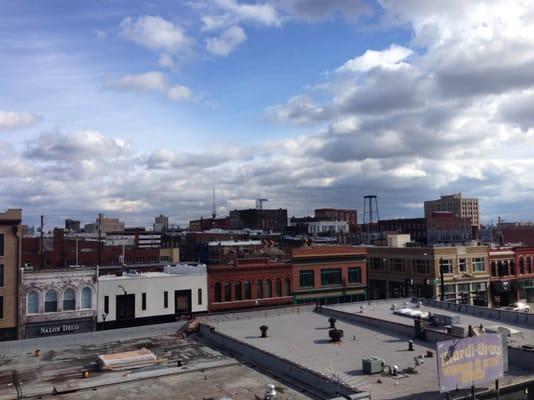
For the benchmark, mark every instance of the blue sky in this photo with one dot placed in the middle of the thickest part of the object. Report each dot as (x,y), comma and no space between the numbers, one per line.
(134,108)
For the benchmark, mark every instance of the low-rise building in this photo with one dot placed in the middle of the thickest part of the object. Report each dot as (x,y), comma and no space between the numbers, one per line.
(404,271)
(247,283)
(56,302)
(445,227)
(329,274)
(151,297)
(502,271)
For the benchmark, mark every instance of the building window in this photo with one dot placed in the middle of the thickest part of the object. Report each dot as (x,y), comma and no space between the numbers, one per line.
(462,265)
(199,296)
(143,301)
(33,302)
(355,275)
(1,275)
(377,264)
(237,290)
(268,288)
(259,289)
(69,300)
(479,264)
(106,304)
(217,292)
(330,277)
(227,291)
(398,265)
(447,265)
(287,284)
(529,267)
(421,267)
(278,288)
(306,279)
(1,244)
(1,307)
(51,301)
(248,290)
(165,299)
(521,265)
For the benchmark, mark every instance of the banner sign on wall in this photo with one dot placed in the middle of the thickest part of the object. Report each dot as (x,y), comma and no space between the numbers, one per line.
(463,363)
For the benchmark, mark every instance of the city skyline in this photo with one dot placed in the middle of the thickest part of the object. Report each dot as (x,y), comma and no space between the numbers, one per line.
(135,109)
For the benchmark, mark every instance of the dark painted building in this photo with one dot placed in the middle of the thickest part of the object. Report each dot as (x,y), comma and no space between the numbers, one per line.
(267,220)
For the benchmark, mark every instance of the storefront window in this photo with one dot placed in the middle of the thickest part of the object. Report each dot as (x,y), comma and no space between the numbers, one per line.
(51,301)
(69,300)
(287,284)
(237,290)
(278,288)
(248,290)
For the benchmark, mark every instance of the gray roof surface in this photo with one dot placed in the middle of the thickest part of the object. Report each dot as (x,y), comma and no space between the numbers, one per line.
(381,310)
(302,337)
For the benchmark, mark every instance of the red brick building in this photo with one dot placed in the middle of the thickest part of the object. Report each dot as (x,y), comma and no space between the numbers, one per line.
(249,283)
(524,273)
(502,274)
(338,214)
(329,274)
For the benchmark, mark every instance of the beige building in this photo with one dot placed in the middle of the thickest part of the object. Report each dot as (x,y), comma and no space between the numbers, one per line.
(10,252)
(415,271)
(458,205)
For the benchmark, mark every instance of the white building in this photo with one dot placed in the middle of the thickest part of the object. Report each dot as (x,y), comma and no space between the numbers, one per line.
(332,227)
(152,296)
(56,302)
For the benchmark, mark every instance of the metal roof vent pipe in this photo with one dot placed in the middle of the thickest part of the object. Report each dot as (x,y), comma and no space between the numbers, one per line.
(332,322)
(263,330)
(335,335)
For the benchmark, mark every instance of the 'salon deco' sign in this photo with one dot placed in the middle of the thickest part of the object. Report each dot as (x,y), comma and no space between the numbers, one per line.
(463,363)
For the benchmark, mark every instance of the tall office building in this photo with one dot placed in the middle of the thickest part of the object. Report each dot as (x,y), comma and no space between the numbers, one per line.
(460,206)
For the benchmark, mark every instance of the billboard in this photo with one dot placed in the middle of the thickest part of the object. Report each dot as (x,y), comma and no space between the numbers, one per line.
(463,363)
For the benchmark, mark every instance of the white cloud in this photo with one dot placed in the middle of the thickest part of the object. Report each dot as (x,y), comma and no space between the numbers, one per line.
(389,58)
(165,60)
(317,10)
(299,110)
(226,42)
(261,13)
(13,120)
(155,33)
(150,82)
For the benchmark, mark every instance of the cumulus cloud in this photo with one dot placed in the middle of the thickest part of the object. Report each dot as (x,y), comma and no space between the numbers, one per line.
(390,58)
(149,82)
(10,120)
(226,42)
(261,13)
(155,33)
(83,145)
(299,110)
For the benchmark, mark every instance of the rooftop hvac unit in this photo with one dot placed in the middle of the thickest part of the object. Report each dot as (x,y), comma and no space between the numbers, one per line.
(445,319)
(460,330)
(372,365)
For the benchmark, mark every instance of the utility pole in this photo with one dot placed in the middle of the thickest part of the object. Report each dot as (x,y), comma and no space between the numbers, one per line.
(42,242)
(442,278)
(100,239)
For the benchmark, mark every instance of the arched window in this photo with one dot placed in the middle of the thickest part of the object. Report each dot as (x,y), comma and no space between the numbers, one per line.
(259,289)
(278,287)
(33,302)
(287,287)
(51,301)
(521,265)
(237,290)
(87,297)
(248,290)
(512,267)
(268,288)
(217,292)
(69,300)
(227,291)
(529,265)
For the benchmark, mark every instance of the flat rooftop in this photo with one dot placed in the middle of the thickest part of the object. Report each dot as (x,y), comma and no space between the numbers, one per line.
(206,373)
(382,310)
(300,335)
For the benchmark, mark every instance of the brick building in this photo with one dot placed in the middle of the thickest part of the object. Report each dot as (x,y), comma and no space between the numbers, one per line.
(458,205)
(338,214)
(249,283)
(329,274)
(415,227)
(446,227)
(261,219)
(204,224)
(502,274)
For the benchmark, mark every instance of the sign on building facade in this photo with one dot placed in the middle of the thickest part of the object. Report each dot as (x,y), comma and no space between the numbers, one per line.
(467,362)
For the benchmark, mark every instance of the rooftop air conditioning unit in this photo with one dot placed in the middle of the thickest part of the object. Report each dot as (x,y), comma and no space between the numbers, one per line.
(372,365)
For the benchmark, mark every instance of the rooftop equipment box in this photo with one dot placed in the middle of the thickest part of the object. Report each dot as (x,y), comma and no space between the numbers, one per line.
(372,365)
